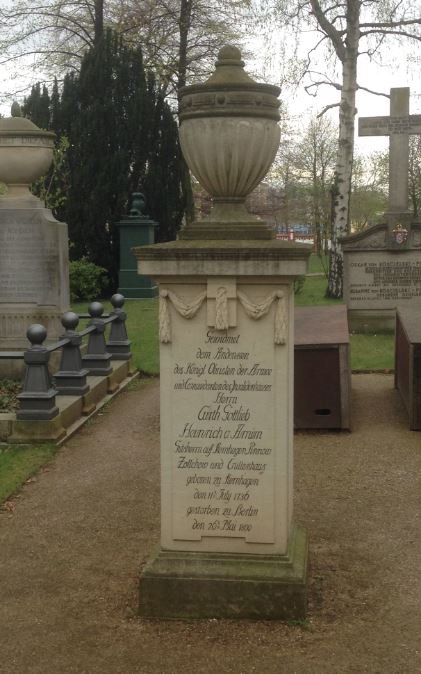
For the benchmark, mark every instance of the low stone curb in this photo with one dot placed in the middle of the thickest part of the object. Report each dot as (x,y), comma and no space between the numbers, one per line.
(74,410)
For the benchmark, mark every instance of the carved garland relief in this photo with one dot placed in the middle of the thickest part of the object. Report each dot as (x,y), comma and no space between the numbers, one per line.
(253,310)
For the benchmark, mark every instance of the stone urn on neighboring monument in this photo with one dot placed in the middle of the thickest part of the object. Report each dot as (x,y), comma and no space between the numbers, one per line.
(26,153)
(34,276)
(229,136)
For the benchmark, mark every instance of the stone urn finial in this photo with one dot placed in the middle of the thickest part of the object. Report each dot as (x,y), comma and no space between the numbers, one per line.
(229,136)
(26,153)
(16,110)
(138,204)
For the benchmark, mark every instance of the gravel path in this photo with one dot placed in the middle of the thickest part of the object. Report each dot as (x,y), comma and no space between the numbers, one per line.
(71,551)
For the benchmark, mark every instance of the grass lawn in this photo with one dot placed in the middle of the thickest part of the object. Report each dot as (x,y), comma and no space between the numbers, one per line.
(368,352)
(142,328)
(318,264)
(18,463)
(373,352)
(313,293)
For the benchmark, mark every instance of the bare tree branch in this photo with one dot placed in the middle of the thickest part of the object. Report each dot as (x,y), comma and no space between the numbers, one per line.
(375,93)
(328,28)
(392,24)
(328,107)
(395,33)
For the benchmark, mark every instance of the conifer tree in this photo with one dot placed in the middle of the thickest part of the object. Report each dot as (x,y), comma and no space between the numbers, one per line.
(37,106)
(115,135)
(122,138)
(109,94)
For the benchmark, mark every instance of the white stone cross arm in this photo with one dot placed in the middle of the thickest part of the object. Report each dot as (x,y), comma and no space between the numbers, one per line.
(398,126)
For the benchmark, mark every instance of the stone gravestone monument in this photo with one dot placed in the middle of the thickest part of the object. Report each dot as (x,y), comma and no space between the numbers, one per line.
(229,543)
(34,276)
(382,264)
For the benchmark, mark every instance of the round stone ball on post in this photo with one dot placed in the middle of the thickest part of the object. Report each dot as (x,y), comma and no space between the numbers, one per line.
(71,378)
(38,398)
(97,359)
(119,344)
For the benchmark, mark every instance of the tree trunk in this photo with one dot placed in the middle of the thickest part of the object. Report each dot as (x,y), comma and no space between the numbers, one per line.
(99,21)
(316,200)
(343,172)
(184,28)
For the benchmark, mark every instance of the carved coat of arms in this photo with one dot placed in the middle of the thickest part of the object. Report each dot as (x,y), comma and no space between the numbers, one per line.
(400,235)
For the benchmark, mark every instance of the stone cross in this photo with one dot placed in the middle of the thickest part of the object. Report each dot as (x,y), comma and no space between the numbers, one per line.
(398,126)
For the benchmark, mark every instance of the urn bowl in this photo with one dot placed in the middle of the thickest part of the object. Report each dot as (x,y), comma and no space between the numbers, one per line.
(26,153)
(229,136)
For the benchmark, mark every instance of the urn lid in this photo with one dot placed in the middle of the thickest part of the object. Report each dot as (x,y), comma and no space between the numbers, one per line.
(16,126)
(229,92)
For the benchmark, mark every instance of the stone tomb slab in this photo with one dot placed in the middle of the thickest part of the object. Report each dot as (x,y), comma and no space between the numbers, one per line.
(408,363)
(322,372)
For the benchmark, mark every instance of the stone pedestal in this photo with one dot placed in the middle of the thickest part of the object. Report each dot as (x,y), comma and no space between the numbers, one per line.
(34,275)
(229,546)
(136,229)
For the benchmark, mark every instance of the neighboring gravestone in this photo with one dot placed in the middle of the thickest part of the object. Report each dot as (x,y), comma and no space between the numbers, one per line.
(136,229)
(34,281)
(382,264)
(229,544)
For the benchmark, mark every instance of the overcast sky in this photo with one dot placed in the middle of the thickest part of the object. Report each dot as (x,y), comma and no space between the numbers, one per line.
(397,71)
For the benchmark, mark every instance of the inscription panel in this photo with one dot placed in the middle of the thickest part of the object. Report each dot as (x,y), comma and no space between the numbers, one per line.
(29,264)
(224,445)
(382,281)
(386,126)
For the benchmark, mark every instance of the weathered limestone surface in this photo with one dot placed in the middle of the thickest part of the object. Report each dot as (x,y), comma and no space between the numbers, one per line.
(34,275)
(226,432)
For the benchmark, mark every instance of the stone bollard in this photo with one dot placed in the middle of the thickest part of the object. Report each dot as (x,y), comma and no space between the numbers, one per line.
(71,378)
(119,344)
(38,399)
(97,358)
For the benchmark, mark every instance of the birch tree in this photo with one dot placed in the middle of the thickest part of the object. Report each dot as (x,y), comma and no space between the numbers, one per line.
(414,182)
(344,31)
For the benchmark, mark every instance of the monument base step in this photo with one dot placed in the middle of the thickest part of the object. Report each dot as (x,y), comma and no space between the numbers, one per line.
(216,585)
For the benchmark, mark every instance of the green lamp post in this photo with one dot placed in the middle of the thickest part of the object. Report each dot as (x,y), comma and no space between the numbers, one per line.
(136,229)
